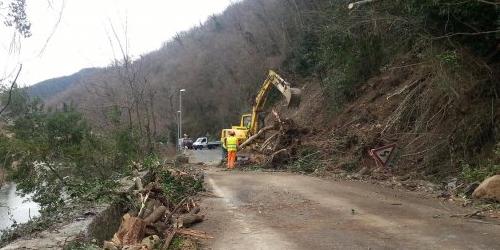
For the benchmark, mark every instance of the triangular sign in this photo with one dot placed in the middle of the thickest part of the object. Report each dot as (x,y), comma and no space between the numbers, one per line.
(383,154)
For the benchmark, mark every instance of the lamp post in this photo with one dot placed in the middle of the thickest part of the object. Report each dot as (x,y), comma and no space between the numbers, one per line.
(180,113)
(178,144)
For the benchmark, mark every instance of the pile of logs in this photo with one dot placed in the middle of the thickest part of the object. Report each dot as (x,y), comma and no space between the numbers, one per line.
(155,220)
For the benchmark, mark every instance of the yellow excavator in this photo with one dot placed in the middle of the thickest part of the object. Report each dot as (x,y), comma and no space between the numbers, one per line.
(250,123)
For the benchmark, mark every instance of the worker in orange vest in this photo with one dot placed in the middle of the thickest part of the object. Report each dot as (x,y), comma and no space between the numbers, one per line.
(231,143)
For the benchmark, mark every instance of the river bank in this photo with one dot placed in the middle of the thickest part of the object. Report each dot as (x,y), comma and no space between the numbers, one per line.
(14,208)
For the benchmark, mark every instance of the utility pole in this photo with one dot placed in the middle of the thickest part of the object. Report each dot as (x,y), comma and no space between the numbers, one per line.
(177,144)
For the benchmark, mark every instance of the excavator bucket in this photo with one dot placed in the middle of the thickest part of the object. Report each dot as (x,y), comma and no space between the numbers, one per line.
(293,97)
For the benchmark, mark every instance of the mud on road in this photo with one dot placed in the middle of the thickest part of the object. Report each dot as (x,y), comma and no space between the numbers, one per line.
(258,210)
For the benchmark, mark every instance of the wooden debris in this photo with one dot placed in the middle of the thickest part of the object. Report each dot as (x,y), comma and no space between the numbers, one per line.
(169,237)
(156,215)
(151,216)
(131,231)
(256,136)
(108,245)
(144,199)
(151,206)
(138,183)
(188,220)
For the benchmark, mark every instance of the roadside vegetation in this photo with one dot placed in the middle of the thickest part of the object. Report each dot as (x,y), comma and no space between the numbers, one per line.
(57,156)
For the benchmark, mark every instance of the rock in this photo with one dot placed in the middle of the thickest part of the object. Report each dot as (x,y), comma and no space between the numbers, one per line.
(489,189)
(108,245)
(151,242)
(363,171)
(451,184)
(470,188)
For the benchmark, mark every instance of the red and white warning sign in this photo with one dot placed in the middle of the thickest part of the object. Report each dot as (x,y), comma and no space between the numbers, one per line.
(383,154)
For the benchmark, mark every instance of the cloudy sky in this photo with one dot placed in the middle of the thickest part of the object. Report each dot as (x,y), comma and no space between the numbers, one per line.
(79,38)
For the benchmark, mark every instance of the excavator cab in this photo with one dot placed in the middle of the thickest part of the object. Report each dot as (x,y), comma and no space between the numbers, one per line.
(246,121)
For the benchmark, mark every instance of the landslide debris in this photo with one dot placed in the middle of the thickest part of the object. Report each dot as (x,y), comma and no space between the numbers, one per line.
(161,209)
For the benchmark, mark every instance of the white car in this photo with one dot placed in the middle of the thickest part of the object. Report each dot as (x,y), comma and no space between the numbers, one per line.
(202,142)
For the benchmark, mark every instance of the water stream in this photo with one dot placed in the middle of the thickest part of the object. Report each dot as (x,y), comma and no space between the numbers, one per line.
(14,207)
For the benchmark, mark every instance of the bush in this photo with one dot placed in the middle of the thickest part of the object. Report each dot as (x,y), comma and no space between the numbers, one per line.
(307,161)
(481,172)
(473,174)
(178,187)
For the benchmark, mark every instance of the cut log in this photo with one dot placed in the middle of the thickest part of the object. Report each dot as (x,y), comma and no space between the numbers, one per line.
(156,215)
(169,216)
(256,136)
(195,210)
(168,239)
(188,220)
(161,226)
(150,231)
(138,183)
(151,205)
(131,231)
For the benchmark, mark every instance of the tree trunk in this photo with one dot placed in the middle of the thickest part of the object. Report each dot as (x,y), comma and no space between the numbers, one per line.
(156,215)
(131,231)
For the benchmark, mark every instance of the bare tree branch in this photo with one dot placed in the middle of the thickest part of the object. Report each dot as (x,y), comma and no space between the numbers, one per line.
(488,2)
(467,34)
(10,90)
(359,3)
(56,25)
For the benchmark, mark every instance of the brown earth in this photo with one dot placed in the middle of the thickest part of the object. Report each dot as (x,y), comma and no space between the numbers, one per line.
(438,123)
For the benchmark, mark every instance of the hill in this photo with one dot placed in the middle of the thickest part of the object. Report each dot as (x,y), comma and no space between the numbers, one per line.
(422,74)
(52,87)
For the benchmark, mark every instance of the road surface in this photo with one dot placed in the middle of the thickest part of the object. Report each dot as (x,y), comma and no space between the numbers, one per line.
(259,210)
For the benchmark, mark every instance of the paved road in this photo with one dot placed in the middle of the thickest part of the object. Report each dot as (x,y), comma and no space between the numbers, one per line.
(257,210)
(209,157)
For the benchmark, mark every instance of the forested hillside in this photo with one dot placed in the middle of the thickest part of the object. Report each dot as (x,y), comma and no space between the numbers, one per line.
(443,55)
(52,87)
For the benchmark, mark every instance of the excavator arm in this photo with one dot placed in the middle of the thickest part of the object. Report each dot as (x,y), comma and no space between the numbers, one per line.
(292,97)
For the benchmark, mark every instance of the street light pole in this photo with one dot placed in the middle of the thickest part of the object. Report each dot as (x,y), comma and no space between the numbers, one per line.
(178,145)
(180,114)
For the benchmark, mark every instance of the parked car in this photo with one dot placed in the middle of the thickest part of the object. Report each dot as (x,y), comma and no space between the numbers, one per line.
(203,142)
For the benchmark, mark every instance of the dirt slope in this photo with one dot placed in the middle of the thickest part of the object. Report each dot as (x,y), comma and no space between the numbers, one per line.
(438,123)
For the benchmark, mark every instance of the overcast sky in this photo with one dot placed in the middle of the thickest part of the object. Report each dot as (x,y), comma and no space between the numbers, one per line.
(80,39)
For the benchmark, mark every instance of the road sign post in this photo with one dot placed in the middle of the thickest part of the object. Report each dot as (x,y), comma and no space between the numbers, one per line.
(382,155)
